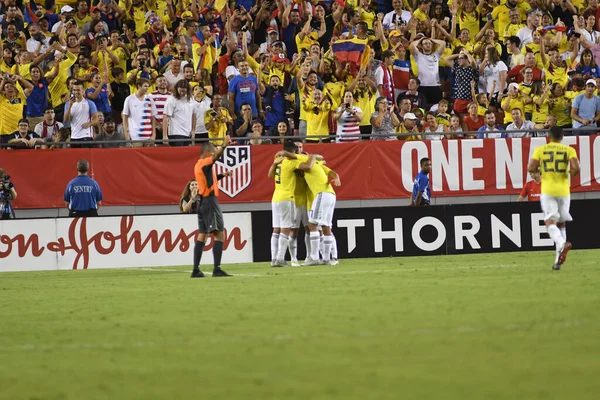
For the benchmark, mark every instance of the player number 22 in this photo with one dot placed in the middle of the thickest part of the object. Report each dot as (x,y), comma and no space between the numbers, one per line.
(556,163)
(278,174)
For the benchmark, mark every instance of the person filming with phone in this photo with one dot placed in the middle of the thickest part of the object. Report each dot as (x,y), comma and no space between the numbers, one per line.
(348,118)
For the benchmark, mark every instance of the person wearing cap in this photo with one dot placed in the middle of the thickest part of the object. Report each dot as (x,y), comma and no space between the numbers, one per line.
(272,37)
(83,195)
(66,14)
(409,128)
(514,99)
(155,33)
(585,110)
(108,132)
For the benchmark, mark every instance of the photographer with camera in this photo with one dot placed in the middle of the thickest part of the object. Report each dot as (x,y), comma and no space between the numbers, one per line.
(7,193)
(83,195)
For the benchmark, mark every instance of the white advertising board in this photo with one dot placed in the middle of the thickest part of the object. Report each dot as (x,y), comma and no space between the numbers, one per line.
(116,242)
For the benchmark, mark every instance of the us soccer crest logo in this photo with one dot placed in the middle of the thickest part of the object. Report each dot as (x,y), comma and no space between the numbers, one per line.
(237,160)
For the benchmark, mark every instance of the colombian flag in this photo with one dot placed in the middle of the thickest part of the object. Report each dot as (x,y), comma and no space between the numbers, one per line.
(350,50)
(205,60)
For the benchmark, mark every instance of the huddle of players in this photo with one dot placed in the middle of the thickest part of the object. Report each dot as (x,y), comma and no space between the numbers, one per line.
(303,194)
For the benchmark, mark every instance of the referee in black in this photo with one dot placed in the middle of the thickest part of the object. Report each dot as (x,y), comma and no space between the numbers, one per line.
(210,217)
(83,195)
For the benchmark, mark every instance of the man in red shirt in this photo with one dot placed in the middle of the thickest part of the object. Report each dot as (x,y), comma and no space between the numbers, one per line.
(210,217)
(532,189)
(515,75)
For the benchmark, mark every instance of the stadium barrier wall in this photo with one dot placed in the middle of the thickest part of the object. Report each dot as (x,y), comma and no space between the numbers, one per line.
(445,229)
(369,170)
(116,242)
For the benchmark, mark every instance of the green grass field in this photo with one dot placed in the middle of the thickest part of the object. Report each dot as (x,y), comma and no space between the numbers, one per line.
(494,326)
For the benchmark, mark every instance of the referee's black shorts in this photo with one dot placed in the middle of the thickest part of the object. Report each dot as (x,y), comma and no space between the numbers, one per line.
(210,216)
(88,213)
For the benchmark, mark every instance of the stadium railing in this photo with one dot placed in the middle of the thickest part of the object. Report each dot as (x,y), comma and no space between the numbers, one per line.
(332,138)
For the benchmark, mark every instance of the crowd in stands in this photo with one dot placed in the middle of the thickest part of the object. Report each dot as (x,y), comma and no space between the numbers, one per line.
(146,72)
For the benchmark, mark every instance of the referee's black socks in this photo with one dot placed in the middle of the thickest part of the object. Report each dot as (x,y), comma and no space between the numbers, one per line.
(217,253)
(198,249)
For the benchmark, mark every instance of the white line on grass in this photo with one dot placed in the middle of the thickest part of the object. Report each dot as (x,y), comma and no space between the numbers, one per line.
(339,271)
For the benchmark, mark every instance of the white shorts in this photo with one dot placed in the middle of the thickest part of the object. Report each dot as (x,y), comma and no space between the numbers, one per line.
(556,208)
(301,217)
(321,212)
(284,213)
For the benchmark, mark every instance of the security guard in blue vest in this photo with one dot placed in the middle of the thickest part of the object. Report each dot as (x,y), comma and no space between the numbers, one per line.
(83,195)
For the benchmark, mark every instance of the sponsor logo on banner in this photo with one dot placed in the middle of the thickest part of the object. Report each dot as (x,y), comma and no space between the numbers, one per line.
(115,242)
(445,229)
(236,159)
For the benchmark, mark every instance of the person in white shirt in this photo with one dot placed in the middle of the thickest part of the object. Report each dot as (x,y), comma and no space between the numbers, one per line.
(175,72)
(81,113)
(396,17)
(201,104)
(533,21)
(49,127)
(428,62)
(179,121)
(37,43)
(519,124)
(138,124)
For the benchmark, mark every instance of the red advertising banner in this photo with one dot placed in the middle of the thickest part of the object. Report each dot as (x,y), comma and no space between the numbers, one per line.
(368,170)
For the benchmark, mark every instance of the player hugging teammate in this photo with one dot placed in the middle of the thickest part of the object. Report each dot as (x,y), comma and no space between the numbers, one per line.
(302,182)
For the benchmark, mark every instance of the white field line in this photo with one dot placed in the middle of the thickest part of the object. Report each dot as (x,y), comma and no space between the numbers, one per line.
(467,329)
(336,270)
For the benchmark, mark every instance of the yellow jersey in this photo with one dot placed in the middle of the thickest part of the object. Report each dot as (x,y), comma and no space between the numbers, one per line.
(58,87)
(317,123)
(513,103)
(540,113)
(301,190)
(556,74)
(11,111)
(316,179)
(285,180)
(218,129)
(554,166)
